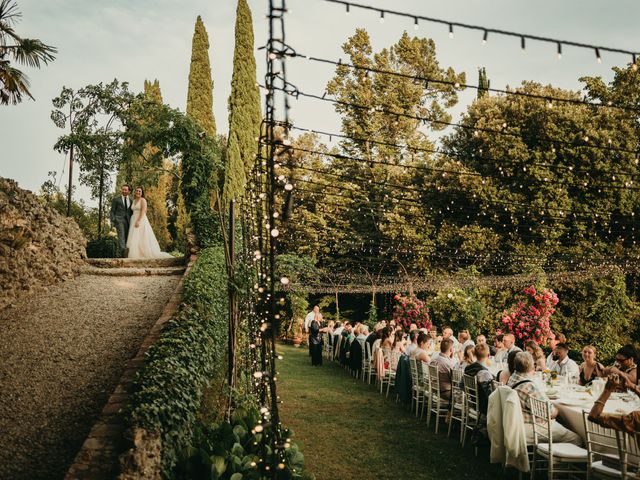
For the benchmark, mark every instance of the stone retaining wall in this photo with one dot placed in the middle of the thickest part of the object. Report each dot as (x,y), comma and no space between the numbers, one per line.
(38,246)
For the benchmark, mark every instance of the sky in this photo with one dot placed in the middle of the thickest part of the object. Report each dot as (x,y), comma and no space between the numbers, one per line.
(134,40)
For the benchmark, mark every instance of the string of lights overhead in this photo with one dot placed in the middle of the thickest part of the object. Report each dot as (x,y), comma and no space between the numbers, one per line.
(427,81)
(486,31)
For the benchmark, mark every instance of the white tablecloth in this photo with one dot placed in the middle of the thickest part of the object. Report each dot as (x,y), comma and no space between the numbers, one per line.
(571,403)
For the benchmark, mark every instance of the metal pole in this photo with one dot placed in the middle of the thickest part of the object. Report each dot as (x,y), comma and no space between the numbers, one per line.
(70,182)
(233,304)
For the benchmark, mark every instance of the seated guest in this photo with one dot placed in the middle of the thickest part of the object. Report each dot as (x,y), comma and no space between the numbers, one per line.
(468,356)
(562,363)
(363,333)
(447,332)
(337,333)
(481,339)
(396,350)
(387,338)
(629,423)
(479,370)
(499,352)
(373,336)
(464,341)
(355,353)
(445,363)
(420,353)
(522,381)
(503,376)
(536,352)
(509,341)
(590,368)
(625,365)
(554,339)
(413,345)
(413,327)
(432,342)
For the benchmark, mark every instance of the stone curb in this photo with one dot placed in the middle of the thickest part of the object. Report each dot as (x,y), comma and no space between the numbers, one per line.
(98,458)
(132,271)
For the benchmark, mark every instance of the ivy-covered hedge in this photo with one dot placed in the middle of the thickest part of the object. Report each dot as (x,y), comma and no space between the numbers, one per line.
(189,356)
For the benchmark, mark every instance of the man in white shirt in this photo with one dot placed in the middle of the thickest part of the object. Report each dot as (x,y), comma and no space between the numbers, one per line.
(562,363)
(509,341)
(554,339)
(447,332)
(309,318)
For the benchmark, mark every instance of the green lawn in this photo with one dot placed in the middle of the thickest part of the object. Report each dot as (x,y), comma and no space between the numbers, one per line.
(347,430)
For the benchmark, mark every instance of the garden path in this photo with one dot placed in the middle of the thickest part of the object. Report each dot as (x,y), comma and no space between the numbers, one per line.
(62,353)
(347,430)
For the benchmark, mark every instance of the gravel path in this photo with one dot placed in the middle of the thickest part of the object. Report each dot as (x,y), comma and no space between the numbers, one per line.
(61,355)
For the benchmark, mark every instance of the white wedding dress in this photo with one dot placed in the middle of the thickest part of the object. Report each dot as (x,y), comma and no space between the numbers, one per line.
(141,241)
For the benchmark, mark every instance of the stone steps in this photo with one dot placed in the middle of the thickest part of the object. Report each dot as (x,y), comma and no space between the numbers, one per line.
(119,263)
(132,271)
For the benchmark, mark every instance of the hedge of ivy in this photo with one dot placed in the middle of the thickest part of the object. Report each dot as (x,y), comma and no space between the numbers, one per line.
(189,355)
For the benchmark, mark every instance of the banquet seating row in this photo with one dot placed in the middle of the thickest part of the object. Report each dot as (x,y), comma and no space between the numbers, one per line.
(608,454)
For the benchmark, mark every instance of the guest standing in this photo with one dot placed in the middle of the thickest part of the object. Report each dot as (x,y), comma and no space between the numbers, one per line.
(315,339)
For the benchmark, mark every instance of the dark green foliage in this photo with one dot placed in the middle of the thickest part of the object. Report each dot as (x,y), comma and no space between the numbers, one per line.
(372,314)
(483,83)
(226,451)
(189,356)
(244,108)
(104,247)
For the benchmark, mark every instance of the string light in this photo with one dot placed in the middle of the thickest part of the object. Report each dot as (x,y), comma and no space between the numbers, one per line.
(416,26)
(559,51)
(450,30)
(381,16)
(484,37)
(598,58)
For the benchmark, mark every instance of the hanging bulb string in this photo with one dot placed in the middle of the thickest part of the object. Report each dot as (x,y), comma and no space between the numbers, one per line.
(467,26)
(462,85)
(323,98)
(578,183)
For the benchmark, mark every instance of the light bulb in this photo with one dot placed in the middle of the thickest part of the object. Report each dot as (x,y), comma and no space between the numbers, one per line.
(450,30)
(416,26)
(598,58)
(381,16)
(484,37)
(559,51)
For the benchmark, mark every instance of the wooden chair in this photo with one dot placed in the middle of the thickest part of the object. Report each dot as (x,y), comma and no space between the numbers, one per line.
(437,405)
(601,442)
(457,411)
(560,457)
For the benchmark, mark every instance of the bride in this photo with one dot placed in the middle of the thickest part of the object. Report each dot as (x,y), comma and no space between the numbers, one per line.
(141,241)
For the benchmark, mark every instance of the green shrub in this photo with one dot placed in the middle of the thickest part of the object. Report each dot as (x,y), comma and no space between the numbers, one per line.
(231,451)
(188,357)
(104,247)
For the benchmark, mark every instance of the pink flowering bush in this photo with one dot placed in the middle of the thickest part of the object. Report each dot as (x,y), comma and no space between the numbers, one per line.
(529,318)
(408,310)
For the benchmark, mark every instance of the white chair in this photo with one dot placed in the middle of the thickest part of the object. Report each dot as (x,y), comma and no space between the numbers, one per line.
(457,411)
(437,405)
(389,377)
(425,386)
(560,457)
(472,412)
(629,450)
(338,343)
(415,385)
(367,364)
(601,442)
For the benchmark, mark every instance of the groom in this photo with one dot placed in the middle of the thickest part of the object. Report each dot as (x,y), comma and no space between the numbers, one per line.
(121,216)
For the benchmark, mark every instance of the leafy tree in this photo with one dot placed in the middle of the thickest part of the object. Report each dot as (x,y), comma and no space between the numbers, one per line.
(244,108)
(95,119)
(200,92)
(383,212)
(18,50)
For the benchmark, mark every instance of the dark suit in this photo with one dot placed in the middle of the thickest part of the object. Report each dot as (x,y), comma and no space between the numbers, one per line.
(120,217)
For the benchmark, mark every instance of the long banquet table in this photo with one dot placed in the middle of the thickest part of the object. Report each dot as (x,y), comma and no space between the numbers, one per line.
(572,400)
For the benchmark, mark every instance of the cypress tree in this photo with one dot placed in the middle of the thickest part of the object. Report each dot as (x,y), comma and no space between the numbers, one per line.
(483,83)
(244,108)
(200,94)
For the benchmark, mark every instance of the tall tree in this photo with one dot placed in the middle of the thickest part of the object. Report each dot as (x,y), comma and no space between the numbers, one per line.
(380,111)
(22,51)
(483,83)
(200,93)
(244,108)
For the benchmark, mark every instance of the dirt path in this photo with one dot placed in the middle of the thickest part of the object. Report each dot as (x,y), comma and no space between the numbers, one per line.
(61,355)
